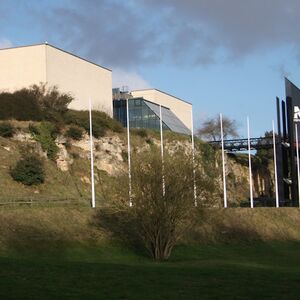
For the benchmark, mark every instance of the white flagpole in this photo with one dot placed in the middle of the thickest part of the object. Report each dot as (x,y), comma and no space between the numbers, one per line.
(250,167)
(193,158)
(275,166)
(162,151)
(223,162)
(129,155)
(298,166)
(92,155)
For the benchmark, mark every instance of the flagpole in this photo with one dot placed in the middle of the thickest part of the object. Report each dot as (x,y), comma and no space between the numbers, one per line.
(223,162)
(162,151)
(193,159)
(250,167)
(298,166)
(129,155)
(92,155)
(275,166)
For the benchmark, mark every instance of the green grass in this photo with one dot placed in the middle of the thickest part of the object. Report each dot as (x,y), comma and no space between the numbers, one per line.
(258,271)
(64,253)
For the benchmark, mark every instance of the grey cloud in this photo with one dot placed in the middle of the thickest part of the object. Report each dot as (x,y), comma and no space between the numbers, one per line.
(107,31)
(240,26)
(134,32)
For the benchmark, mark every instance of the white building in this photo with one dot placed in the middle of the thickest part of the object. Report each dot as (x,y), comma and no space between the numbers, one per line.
(21,67)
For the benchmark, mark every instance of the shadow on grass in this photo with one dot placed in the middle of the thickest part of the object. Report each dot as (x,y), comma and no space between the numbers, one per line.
(122,228)
(30,240)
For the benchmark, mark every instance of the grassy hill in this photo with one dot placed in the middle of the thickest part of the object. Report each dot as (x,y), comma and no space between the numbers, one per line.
(64,253)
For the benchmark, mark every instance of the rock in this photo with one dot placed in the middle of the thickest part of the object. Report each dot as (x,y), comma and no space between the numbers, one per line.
(63,160)
(107,153)
(61,140)
(23,137)
(85,179)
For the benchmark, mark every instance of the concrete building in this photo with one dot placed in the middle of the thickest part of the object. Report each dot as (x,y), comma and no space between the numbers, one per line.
(21,67)
(144,110)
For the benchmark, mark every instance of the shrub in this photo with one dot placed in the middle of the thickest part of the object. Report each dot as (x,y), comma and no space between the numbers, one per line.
(52,102)
(6,130)
(35,103)
(98,131)
(74,133)
(45,134)
(21,105)
(29,171)
(141,132)
(101,121)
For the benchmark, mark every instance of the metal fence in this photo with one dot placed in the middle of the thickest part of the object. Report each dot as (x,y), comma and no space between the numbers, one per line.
(41,201)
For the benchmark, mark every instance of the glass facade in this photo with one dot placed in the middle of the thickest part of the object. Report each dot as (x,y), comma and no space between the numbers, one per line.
(145,114)
(140,115)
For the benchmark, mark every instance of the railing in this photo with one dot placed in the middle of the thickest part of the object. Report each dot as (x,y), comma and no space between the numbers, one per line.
(44,201)
(242,144)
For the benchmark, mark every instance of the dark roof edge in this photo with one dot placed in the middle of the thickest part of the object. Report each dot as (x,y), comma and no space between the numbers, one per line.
(57,48)
(163,93)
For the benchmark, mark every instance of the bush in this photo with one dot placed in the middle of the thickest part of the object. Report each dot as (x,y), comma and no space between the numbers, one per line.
(29,171)
(21,105)
(35,103)
(53,103)
(98,131)
(140,132)
(45,134)
(101,122)
(6,130)
(74,133)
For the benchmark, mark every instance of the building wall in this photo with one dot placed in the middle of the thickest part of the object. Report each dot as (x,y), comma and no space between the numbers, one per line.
(179,107)
(80,78)
(22,67)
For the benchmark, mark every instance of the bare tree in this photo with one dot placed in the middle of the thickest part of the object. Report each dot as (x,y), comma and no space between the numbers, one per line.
(160,220)
(211,129)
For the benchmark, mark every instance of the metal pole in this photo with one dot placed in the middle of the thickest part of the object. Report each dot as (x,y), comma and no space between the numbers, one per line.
(92,155)
(162,151)
(193,158)
(129,155)
(250,167)
(298,166)
(223,162)
(275,166)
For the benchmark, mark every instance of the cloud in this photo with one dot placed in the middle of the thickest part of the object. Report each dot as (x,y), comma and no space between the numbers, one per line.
(129,33)
(5,43)
(130,80)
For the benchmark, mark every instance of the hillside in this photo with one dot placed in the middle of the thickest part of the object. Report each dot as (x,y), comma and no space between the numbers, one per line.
(68,176)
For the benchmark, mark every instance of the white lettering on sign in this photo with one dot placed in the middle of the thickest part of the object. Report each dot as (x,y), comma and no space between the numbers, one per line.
(296,114)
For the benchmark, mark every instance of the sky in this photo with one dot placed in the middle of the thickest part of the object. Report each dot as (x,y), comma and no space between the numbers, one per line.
(226,57)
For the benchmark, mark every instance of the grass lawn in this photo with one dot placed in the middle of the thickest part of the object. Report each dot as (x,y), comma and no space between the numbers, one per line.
(258,271)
